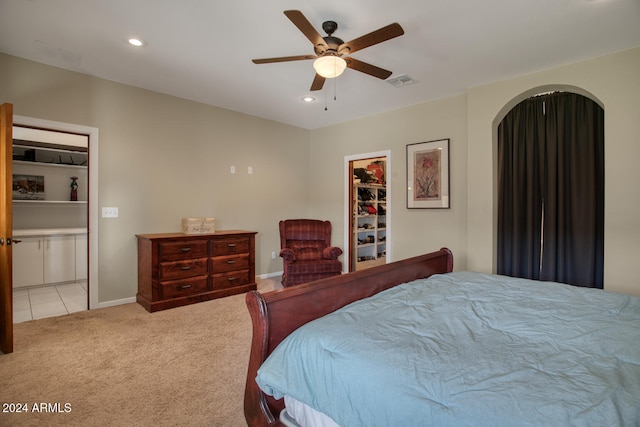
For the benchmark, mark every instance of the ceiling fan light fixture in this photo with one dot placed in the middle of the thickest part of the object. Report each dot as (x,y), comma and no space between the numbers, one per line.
(329,66)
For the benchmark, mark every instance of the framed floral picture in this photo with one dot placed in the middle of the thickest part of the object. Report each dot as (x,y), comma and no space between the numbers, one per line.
(428,175)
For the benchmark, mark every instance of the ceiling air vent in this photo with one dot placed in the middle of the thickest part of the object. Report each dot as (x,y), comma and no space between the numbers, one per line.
(401,81)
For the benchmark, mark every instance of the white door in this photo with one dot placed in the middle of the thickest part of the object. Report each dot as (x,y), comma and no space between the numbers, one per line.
(59,259)
(82,260)
(28,262)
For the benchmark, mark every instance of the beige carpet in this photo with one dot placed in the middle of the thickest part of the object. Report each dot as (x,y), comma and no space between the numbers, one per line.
(122,366)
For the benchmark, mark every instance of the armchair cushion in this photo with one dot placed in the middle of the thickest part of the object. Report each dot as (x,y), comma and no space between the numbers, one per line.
(308,254)
(305,250)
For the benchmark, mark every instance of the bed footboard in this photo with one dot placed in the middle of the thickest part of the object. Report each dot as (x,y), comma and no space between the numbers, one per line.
(274,315)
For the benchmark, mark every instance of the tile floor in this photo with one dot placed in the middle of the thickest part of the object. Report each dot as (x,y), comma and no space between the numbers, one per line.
(48,301)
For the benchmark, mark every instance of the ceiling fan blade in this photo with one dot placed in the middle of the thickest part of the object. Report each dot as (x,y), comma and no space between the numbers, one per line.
(318,82)
(283,59)
(375,37)
(366,68)
(305,26)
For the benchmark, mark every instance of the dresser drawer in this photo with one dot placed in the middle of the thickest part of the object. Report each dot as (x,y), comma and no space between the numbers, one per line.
(230,279)
(229,263)
(172,251)
(182,269)
(181,288)
(230,246)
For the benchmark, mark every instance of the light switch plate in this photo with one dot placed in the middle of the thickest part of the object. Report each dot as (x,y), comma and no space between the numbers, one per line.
(109,212)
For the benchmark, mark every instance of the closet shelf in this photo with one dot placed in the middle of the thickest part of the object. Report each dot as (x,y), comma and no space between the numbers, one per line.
(49,202)
(48,164)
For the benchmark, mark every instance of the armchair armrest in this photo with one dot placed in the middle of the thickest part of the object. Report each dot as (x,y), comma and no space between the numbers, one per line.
(288,254)
(332,252)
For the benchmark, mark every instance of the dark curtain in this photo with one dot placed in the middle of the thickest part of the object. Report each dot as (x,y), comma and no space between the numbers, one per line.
(520,169)
(574,191)
(551,190)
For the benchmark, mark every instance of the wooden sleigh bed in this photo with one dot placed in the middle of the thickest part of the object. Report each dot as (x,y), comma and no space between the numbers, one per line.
(285,315)
(276,314)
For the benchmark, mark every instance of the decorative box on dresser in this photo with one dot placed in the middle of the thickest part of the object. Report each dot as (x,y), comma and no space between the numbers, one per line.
(176,269)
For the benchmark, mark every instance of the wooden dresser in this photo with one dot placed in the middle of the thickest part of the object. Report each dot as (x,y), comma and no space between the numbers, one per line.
(176,269)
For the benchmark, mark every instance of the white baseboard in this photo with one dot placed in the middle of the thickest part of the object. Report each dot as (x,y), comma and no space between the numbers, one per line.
(133,299)
(268,275)
(116,302)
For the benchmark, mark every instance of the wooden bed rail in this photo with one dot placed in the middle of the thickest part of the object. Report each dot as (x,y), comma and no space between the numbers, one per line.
(275,314)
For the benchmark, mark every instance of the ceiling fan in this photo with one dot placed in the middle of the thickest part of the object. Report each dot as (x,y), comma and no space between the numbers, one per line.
(330,60)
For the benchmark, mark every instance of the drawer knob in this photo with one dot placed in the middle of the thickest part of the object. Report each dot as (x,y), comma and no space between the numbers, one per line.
(231,261)
(231,279)
(185,286)
(185,268)
(231,245)
(185,249)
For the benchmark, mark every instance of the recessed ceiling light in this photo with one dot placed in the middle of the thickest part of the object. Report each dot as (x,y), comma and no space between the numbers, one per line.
(136,42)
(308,99)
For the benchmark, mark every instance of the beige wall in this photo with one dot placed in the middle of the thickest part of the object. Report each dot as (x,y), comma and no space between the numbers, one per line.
(414,231)
(614,80)
(469,121)
(162,158)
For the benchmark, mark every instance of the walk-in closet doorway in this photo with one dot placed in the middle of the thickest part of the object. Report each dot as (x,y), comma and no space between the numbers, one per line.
(58,198)
(367,205)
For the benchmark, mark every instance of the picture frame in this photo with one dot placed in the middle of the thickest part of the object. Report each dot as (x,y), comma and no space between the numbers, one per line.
(428,175)
(28,187)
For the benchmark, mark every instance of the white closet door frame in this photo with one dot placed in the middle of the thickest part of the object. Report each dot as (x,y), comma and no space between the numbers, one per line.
(93,190)
(348,181)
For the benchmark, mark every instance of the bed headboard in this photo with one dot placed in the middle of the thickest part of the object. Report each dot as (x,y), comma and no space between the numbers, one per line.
(276,314)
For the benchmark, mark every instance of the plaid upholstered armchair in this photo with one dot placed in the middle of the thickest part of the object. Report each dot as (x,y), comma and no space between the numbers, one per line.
(307,252)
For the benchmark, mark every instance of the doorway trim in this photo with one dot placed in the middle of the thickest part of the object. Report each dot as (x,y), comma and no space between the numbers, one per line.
(348,183)
(92,226)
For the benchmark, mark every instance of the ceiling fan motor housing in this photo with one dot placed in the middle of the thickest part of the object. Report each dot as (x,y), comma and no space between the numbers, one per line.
(331,44)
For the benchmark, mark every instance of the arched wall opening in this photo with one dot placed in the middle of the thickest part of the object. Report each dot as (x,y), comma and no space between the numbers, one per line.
(494,141)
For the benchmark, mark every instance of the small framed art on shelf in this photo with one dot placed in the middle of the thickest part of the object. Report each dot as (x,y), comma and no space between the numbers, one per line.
(28,187)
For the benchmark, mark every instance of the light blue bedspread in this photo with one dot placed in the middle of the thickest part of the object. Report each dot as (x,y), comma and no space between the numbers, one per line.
(468,349)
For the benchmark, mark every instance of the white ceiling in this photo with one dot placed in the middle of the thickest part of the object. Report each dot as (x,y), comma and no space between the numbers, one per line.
(202,49)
